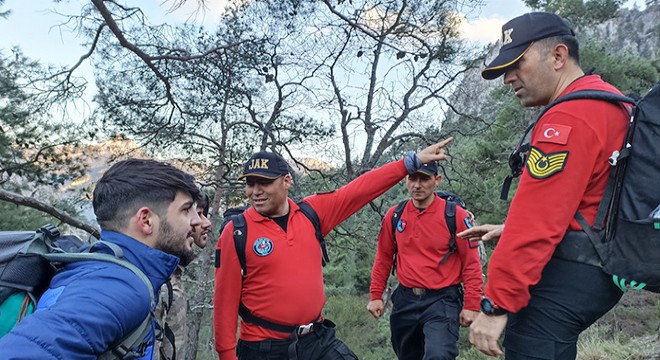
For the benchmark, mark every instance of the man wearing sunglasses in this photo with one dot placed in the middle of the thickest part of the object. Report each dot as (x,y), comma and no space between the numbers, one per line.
(283,284)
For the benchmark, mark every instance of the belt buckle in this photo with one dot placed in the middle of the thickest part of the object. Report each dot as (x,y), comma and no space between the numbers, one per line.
(419,291)
(305,329)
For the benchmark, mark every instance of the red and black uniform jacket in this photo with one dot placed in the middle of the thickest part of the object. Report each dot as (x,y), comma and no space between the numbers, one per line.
(566,171)
(286,286)
(420,246)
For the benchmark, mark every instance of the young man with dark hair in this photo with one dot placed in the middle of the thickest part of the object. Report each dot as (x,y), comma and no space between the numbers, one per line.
(542,298)
(146,210)
(427,306)
(282,288)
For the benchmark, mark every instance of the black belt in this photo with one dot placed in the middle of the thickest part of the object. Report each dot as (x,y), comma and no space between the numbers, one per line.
(291,344)
(295,331)
(453,289)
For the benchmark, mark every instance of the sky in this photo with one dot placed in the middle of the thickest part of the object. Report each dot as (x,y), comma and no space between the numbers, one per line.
(34,26)
(37,29)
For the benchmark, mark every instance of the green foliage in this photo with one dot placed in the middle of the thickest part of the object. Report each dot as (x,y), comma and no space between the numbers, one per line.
(479,160)
(369,338)
(579,12)
(32,148)
(14,217)
(629,73)
(595,344)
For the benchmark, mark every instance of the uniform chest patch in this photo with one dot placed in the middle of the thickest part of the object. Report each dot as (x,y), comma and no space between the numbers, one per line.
(541,165)
(263,246)
(401,225)
(554,133)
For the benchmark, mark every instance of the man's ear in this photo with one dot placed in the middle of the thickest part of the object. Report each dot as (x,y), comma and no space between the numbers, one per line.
(438,178)
(145,220)
(560,56)
(287,181)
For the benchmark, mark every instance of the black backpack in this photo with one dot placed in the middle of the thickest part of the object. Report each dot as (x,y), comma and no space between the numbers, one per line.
(628,247)
(240,239)
(29,260)
(450,218)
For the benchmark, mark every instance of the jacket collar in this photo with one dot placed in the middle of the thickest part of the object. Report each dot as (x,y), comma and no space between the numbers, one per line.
(156,265)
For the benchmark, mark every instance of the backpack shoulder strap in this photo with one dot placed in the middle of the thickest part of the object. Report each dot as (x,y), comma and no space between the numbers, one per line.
(591,95)
(396,216)
(311,214)
(450,220)
(240,239)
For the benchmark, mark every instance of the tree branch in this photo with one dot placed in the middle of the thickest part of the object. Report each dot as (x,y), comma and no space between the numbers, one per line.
(19,199)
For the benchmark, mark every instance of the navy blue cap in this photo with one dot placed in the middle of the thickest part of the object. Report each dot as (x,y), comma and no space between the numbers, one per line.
(517,36)
(429,169)
(265,164)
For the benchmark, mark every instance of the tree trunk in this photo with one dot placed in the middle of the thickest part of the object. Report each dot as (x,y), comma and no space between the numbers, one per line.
(201,299)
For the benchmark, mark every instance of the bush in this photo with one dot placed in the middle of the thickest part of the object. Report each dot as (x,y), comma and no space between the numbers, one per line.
(369,338)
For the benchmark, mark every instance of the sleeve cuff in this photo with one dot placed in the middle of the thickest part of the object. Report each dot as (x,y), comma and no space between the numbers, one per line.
(376,296)
(227,355)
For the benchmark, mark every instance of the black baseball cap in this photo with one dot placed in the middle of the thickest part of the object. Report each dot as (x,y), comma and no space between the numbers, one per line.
(429,169)
(519,34)
(265,164)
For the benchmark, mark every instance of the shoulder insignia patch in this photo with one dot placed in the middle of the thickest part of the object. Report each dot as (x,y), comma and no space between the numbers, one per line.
(554,133)
(541,165)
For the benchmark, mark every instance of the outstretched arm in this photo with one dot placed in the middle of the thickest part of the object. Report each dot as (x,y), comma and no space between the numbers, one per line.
(336,206)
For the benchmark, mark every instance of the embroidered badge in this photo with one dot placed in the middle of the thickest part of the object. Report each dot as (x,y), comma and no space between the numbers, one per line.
(554,133)
(541,165)
(263,246)
(401,225)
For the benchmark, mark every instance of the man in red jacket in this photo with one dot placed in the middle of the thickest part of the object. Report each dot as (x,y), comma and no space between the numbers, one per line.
(425,316)
(283,284)
(543,299)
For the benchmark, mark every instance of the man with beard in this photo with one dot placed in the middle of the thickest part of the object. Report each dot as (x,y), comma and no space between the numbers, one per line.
(173,313)
(146,211)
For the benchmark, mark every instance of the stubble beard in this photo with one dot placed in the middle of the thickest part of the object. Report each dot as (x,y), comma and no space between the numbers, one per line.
(173,243)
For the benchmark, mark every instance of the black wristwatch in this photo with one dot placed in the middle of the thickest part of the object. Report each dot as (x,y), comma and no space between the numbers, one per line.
(489,308)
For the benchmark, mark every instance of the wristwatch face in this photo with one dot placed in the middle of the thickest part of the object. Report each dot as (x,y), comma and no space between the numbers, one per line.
(488,308)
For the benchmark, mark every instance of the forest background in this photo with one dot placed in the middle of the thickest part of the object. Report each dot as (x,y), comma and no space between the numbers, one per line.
(339,87)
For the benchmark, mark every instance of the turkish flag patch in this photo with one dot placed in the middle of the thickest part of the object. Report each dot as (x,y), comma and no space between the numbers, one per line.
(554,133)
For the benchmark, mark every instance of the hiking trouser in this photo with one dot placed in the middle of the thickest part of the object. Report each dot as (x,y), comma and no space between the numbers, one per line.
(320,344)
(424,324)
(569,298)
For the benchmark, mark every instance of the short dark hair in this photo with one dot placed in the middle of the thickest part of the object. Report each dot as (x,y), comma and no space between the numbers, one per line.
(134,183)
(570,41)
(204,202)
